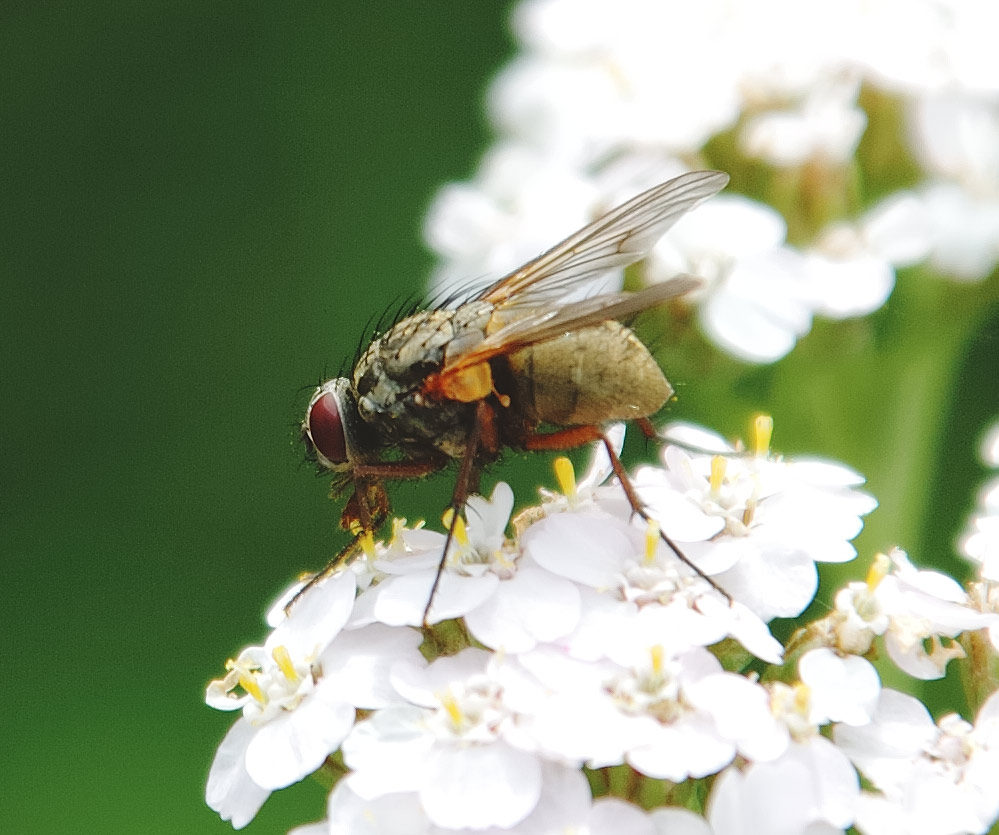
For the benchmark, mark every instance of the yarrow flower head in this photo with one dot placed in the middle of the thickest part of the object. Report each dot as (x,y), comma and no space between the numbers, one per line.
(613,646)
(607,99)
(582,642)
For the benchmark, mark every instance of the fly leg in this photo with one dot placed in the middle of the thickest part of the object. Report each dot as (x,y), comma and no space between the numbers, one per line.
(575,436)
(483,436)
(366,511)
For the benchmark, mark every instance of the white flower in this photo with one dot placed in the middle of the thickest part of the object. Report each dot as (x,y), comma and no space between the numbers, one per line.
(757,301)
(447,745)
(756,525)
(407,568)
(934,779)
(565,805)
(958,140)
(811,789)
(851,266)
(842,688)
(598,75)
(637,579)
(923,606)
(521,203)
(668,716)
(299,695)
(826,125)
(981,540)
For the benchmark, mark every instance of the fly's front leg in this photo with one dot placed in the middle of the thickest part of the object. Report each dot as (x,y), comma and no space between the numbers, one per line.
(366,510)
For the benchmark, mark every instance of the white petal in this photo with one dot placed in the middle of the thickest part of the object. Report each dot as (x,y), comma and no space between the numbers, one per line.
(230,790)
(295,744)
(480,786)
(745,330)
(422,685)
(898,228)
(680,822)
(401,600)
(359,661)
(687,748)
(769,592)
(388,752)
(847,287)
(390,814)
(579,547)
(316,617)
(611,816)
(532,606)
(843,689)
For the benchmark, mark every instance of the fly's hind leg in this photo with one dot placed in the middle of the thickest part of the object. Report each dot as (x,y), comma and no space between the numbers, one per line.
(575,436)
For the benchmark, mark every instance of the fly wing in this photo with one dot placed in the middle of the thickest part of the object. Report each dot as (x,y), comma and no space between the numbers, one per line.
(550,322)
(621,237)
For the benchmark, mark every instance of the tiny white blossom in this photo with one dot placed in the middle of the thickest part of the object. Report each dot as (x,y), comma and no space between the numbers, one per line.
(826,125)
(842,688)
(300,691)
(448,745)
(811,789)
(475,561)
(757,301)
(757,525)
(851,266)
(934,779)
(981,539)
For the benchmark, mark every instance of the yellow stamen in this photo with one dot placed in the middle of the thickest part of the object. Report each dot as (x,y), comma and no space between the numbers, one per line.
(749,512)
(457,525)
(651,541)
(566,477)
(282,658)
(367,542)
(802,697)
(763,430)
(249,684)
(398,526)
(450,705)
(658,657)
(878,571)
(718,466)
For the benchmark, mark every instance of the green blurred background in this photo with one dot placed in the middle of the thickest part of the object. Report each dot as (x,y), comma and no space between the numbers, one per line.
(203,204)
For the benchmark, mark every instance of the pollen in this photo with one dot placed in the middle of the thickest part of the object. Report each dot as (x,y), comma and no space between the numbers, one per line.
(566,477)
(453,710)
(283,659)
(763,430)
(877,572)
(718,466)
(802,698)
(657,656)
(651,541)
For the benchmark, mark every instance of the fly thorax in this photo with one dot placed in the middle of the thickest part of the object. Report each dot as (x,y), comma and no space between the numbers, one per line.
(389,376)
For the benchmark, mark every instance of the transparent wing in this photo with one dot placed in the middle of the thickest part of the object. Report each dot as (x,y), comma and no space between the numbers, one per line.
(621,237)
(550,322)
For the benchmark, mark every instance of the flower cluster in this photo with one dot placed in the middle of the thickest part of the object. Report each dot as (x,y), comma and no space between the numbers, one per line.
(584,669)
(581,652)
(608,98)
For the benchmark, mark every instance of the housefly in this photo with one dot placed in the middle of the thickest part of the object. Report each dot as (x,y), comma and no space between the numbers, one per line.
(516,365)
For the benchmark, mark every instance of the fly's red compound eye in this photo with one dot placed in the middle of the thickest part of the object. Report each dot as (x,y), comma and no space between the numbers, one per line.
(325,428)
